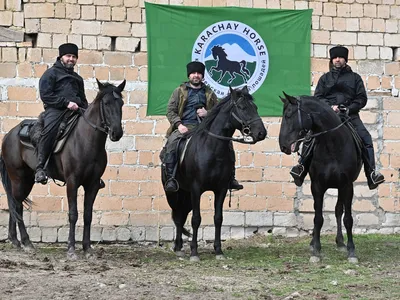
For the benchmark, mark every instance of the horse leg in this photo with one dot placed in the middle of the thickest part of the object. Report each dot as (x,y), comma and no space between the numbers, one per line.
(218,217)
(338,214)
(20,190)
(72,193)
(318,194)
(222,76)
(347,194)
(12,232)
(90,196)
(196,220)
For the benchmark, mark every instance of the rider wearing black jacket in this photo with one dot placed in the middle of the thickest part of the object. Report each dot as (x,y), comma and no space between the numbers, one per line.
(342,87)
(60,89)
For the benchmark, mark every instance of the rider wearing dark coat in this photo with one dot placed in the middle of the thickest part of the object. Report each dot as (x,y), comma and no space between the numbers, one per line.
(188,104)
(60,89)
(341,87)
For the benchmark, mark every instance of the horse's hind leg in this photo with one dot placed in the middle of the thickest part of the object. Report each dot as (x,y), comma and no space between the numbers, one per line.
(318,194)
(347,195)
(12,232)
(338,214)
(218,206)
(20,190)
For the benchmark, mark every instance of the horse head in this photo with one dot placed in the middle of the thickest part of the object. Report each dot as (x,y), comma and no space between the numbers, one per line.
(245,116)
(295,124)
(218,51)
(110,98)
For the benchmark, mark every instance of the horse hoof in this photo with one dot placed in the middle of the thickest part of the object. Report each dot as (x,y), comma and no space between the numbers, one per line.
(89,254)
(179,253)
(353,260)
(28,248)
(16,245)
(220,257)
(315,259)
(342,249)
(194,259)
(72,256)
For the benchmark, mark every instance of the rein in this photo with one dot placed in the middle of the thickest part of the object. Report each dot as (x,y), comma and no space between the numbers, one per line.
(245,127)
(104,126)
(310,136)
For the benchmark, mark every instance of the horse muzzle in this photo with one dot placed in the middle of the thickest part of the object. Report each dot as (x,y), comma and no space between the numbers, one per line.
(115,135)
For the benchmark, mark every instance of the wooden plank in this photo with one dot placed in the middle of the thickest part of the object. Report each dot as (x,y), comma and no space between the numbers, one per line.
(10,35)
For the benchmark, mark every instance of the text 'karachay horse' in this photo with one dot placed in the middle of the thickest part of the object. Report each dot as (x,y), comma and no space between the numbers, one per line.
(81,162)
(336,162)
(207,165)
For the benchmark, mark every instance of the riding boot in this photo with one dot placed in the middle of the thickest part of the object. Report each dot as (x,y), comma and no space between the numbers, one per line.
(171,185)
(234,184)
(374,178)
(299,171)
(40,174)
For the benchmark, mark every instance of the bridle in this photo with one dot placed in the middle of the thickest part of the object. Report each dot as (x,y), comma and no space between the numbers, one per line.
(303,133)
(238,117)
(105,125)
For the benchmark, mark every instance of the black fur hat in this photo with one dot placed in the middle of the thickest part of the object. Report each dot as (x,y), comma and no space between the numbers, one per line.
(339,51)
(68,48)
(195,66)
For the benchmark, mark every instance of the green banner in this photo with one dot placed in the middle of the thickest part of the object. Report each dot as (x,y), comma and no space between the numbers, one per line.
(266,49)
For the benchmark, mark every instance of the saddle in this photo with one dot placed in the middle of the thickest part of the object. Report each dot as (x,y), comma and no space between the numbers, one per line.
(31,129)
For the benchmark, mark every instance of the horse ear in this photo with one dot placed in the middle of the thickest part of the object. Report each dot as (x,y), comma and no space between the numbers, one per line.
(101,86)
(245,89)
(283,99)
(121,87)
(291,99)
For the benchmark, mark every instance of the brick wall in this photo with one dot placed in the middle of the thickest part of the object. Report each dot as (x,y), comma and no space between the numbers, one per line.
(133,205)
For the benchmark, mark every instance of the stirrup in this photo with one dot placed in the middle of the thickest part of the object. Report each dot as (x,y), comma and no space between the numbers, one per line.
(298,172)
(41,177)
(171,185)
(379,178)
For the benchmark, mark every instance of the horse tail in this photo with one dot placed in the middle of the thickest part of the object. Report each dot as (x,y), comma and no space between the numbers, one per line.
(12,203)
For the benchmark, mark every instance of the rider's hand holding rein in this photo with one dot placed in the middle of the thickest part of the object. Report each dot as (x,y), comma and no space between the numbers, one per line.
(335,108)
(182,128)
(201,112)
(72,106)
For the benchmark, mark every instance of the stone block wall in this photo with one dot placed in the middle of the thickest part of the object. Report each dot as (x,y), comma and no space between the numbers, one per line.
(112,37)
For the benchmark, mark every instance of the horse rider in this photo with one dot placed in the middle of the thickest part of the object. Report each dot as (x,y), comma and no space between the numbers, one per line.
(60,89)
(341,87)
(188,104)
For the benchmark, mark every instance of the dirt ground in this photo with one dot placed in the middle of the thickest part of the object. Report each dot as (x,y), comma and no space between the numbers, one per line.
(260,270)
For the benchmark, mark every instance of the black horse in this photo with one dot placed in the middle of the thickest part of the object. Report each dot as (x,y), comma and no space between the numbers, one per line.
(336,161)
(227,66)
(81,162)
(207,165)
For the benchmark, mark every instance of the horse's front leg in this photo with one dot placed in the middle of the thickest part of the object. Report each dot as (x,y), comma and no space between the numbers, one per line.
(218,217)
(90,195)
(318,194)
(338,214)
(196,220)
(72,193)
(347,195)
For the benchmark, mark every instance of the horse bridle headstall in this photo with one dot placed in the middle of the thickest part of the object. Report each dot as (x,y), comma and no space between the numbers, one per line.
(304,130)
(246,130)
(105,126)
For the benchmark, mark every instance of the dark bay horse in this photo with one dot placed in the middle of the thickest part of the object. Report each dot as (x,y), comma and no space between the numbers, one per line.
(228,66)
(81,162)
(336,162)
(207,165)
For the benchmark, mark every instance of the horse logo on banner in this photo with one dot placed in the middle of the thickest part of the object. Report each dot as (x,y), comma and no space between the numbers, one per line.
(234,55)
